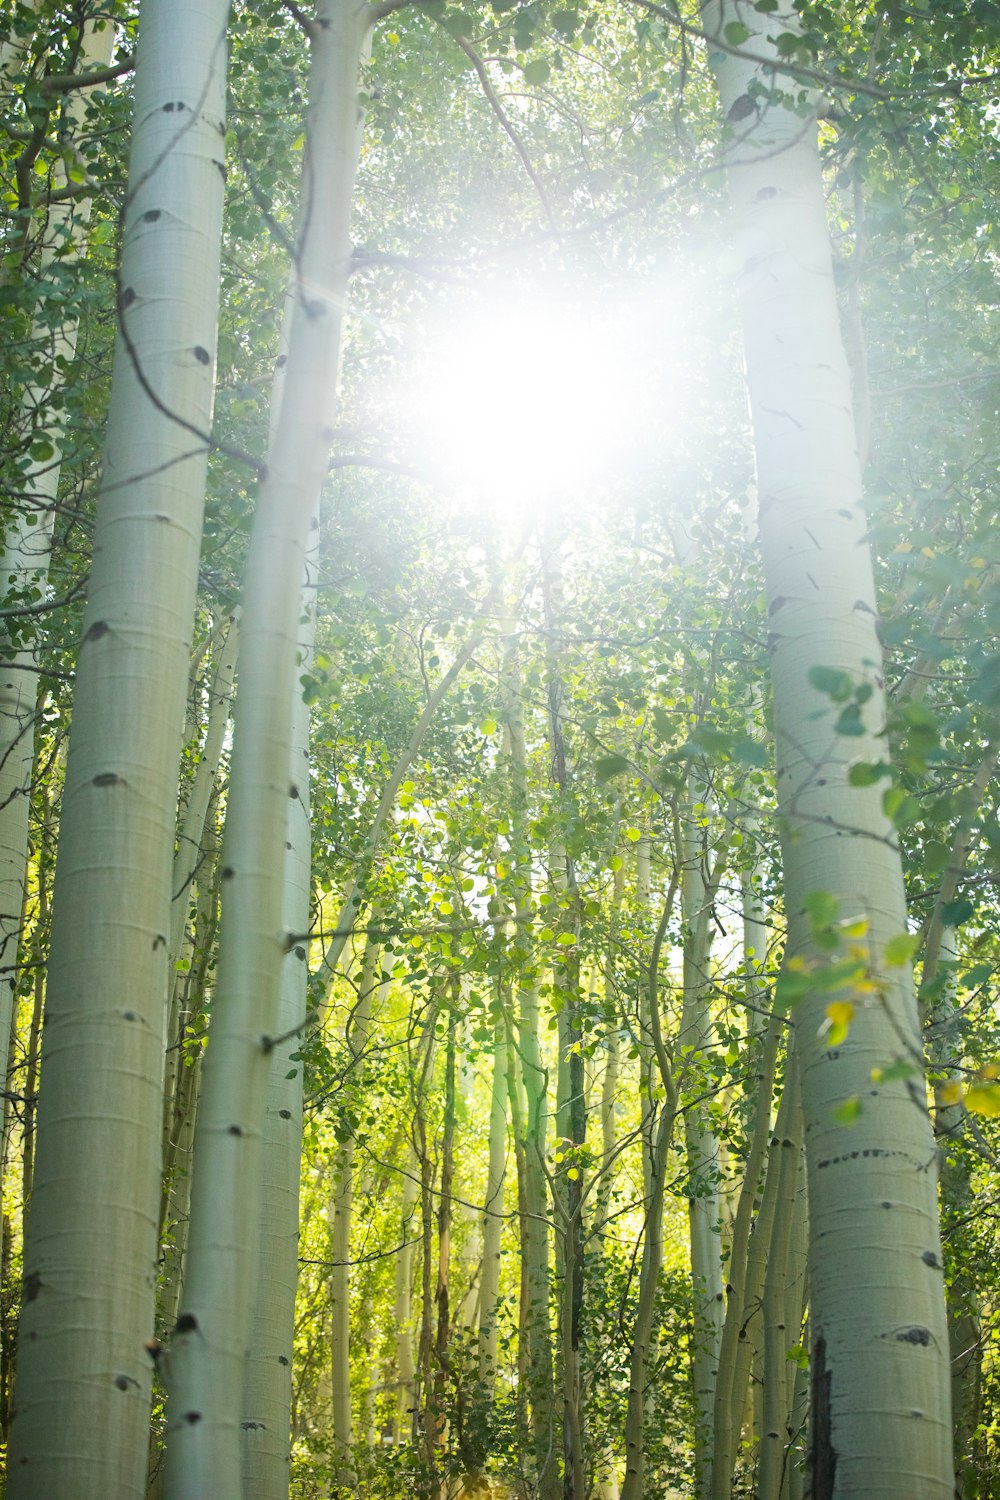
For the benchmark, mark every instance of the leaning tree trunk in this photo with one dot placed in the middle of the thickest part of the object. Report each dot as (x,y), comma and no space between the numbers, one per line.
(88,1292)
(208,1350)
(880,1403)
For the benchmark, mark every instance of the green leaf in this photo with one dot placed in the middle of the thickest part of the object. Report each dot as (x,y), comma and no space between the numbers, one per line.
(983,1099)
(867,773)
(895,1072)
(901,948)
(837,685)
(458,23)
(977,975)
(488,726)
(848,1113)
(748,751)
(537,71)
(821,908)
(899,807)
(954,913)
(849,721)
(793,985)
(736,33)
(610,765)
(566,23)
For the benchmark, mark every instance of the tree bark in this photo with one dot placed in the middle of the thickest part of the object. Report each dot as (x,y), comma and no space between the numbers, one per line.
(88,1298)
(881,1403)
(208,1348)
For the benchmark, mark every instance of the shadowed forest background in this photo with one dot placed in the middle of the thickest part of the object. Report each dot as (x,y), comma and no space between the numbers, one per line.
(499,719)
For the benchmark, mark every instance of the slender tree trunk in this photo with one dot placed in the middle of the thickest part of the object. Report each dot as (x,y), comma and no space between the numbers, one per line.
(493,1217)
(664,1118)
(881,1401)
(649,1277)
(190,857)
(780,1277)
(213,1328)
(694,1040)
(965,1339)
(535,1325)
(571,1113)
(267,1393)
(403,1305)
(730,1391)
(357,1035)
(442,1291)
(88,1303)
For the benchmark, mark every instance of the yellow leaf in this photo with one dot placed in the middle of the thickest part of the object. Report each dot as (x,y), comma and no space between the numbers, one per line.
(840,1012)
(948,1093)
(927,551)
(572,1174)
(983,1099)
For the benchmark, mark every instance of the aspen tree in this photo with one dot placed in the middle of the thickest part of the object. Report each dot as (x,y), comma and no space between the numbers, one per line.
(213,1328)
(27,546)
(535,1329)
(357,1036)
(662,1122)
(88,1300)
(880,1397)
(267,1386)
(694,1038)
(734,1347)
(403,1303)
(493,1207)
(571,1103)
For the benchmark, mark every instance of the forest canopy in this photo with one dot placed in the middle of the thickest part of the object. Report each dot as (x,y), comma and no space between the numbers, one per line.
(498,749)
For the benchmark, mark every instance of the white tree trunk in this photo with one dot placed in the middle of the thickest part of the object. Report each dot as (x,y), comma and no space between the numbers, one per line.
(267,1394)
(24,563)
(88,1306)
(208,1350)
(881,1407)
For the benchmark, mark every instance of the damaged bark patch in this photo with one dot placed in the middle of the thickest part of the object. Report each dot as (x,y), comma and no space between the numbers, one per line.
(823,1459)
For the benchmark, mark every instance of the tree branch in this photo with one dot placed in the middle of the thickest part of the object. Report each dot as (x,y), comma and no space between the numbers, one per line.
(494,102)
(65,83)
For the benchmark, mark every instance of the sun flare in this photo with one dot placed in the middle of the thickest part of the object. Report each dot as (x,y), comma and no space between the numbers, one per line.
(531,399)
